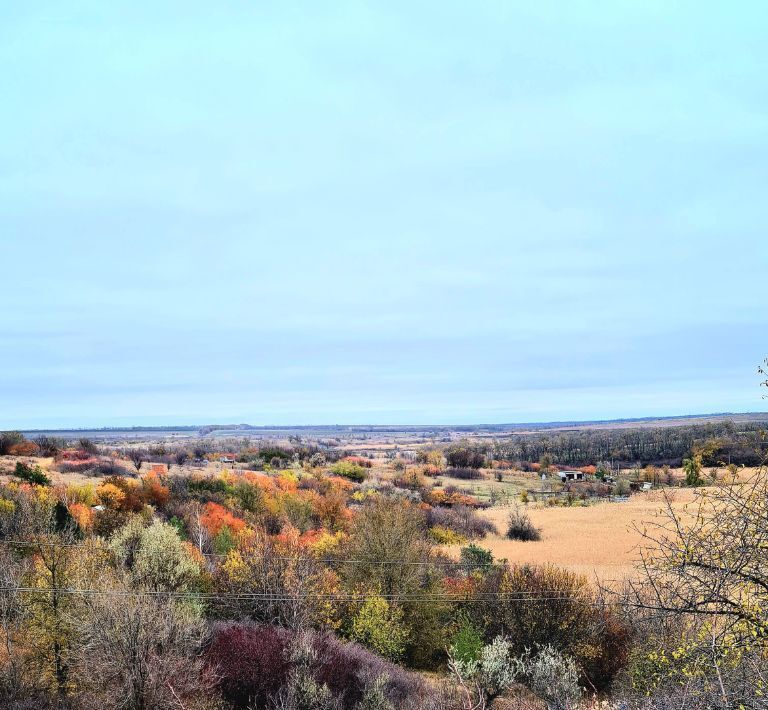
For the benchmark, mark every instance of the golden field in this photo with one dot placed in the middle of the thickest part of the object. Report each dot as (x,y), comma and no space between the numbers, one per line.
(599,541)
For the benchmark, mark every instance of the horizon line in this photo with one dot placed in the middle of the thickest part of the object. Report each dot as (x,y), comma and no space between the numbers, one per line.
(475,425)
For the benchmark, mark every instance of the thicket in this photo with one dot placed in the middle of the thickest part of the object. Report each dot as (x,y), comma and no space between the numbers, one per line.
(719,442)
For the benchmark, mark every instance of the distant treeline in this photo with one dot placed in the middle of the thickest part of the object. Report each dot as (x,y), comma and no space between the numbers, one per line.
(719,443)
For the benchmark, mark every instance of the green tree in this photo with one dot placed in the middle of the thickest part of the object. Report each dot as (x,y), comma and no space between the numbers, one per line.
(31,474)
(391,531)
(475,559)
(692,469)
(350,470)
(155,557)
(379,625)
(467,642)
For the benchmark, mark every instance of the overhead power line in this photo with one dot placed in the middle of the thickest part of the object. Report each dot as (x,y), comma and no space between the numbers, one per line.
(291,558)
(265,596)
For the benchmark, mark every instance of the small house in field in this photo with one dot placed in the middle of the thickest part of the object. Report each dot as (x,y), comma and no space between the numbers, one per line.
(566,476)
(159,468)
(227,458)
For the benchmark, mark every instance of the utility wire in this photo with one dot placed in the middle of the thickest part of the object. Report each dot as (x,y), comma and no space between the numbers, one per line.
(323,560)
(263,596)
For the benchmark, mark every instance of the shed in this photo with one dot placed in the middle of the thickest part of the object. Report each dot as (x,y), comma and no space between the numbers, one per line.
(571,476)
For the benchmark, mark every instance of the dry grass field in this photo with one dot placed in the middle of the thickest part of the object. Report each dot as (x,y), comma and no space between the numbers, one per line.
(597,540)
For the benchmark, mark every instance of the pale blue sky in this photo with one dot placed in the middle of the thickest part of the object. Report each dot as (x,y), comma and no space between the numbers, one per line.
(304,212)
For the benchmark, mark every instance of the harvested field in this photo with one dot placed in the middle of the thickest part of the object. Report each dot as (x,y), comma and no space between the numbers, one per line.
(596,540)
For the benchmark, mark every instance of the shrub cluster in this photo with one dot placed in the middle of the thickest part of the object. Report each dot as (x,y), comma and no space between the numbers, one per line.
(347,469)
(464,473)
(539,606)
(253,662)
(464,456)
(461,519)
(31,474)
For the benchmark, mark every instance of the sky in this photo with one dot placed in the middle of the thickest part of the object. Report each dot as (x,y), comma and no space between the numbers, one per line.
(380,212)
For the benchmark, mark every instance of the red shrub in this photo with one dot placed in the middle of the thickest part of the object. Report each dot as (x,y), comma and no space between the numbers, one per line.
(74,455)
(251,664)
(77,465)
(251,661)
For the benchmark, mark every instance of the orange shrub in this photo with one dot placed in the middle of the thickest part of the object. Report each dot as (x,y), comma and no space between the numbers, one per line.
(287,482)
(25,448)
(266,483)
(132,500)
(82,515)
(73,455)
(110,496)
(332,510)
(440,497)
(217,516)
(154,492)
(342,483)
(460,587)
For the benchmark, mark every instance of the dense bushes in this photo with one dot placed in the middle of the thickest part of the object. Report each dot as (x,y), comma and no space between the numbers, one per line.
(589,489)
(31,474)
(464,473)
(347,469)
(93,467)
(258,559)
(9,440)
(464,456)
(538,606)
(461,519)
(718,441)
(359,461)
(253,663)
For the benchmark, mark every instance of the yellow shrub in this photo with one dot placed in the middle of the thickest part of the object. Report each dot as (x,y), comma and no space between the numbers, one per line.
(83,493)
(445,536)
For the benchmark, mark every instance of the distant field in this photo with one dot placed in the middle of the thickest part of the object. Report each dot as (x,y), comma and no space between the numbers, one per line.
(597,540)
(363,432)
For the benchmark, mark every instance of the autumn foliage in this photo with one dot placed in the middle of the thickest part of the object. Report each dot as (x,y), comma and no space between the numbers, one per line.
(216,516)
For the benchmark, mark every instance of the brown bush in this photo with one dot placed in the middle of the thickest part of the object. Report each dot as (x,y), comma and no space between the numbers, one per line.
(25,448)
